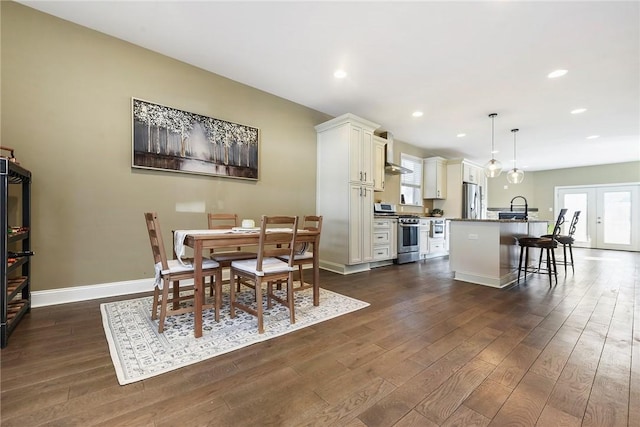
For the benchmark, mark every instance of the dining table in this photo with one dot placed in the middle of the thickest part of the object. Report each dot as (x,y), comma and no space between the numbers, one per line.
(201,240)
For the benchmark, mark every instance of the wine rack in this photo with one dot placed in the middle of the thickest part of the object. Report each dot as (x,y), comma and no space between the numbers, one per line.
(15,247)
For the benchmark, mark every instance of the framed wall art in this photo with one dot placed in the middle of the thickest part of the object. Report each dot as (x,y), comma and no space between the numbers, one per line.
(169,139)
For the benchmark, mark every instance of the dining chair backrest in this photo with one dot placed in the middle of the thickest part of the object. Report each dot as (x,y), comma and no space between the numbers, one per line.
(559,222)
(574,223)
(280,241)
(222,221)
(313,223)
(155,238)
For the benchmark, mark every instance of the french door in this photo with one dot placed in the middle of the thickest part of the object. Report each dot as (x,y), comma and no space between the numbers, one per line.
(609,215)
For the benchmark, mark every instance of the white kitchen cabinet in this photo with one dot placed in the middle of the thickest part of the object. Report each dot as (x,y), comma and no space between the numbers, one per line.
(361,155)
(434,178)
(471,173)
(379,148)
(344,192)
(423,241)
(361,216)
(385,246)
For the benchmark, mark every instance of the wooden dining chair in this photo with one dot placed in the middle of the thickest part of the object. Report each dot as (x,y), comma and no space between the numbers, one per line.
(267,268)
(225,256)
(169,273)
(302,256)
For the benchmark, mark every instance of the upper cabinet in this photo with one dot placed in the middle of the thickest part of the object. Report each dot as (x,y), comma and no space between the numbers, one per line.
(360,154)
(434,178)
(472,173)
(379,147)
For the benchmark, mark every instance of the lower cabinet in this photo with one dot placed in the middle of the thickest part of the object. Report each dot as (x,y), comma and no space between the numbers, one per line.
(385,245)
(431,247)
(360,224)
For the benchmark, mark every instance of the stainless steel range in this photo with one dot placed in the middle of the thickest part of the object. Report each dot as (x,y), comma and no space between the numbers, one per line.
(408,232)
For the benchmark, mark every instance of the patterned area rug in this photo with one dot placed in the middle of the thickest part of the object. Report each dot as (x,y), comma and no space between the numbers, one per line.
(138,351)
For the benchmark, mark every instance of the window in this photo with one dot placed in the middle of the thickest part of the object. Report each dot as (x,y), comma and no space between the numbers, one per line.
(411,183)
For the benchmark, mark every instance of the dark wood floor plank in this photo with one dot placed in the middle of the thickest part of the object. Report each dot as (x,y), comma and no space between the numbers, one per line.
(464,416)
(525,404)
(462,354)
(488,398)
(447,398)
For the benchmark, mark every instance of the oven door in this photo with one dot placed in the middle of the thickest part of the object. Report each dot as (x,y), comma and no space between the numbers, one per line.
(408,238)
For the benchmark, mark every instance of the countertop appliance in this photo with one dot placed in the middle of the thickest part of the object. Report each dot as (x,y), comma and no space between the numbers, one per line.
(408,234)
(384,209)
(471,201)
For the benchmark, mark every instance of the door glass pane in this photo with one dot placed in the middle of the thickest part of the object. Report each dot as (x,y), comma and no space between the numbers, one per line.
(617,217)
(576,202)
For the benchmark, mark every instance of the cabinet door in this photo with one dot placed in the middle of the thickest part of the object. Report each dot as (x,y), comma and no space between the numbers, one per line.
(367,158)
(366,221)
(470,173)
(423,242)
(378,154)
(360,224)
(435,179)
(355,154)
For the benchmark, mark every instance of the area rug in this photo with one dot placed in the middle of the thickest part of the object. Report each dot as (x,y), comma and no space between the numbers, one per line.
(138,351)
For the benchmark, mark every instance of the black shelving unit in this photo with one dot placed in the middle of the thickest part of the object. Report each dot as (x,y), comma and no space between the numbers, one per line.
(15,274)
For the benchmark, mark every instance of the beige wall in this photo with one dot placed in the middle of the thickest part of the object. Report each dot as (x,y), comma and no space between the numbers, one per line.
(538,187)
(66,95)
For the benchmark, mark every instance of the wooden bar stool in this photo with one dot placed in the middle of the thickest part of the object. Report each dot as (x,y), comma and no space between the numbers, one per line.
(545,244)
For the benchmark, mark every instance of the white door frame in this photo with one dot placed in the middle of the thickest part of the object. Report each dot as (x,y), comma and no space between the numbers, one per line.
(595,212)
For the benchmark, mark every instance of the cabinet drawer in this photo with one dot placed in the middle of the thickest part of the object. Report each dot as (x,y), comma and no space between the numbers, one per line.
(381,224)
(436,246)
(381,237)
(381,253)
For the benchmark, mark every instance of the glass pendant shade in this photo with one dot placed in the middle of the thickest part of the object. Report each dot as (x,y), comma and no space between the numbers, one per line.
(493,167)
(515,175)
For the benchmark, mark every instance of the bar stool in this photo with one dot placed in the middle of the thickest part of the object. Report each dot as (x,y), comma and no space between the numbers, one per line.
(566,240)
(545,244)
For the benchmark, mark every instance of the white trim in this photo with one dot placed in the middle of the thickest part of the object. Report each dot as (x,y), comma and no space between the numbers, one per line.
(89,292)
(102,290)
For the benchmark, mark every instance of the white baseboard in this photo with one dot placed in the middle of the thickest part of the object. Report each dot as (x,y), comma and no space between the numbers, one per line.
(84,293)
(103,290)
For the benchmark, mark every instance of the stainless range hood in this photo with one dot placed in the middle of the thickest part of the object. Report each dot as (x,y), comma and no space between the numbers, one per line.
(390,167)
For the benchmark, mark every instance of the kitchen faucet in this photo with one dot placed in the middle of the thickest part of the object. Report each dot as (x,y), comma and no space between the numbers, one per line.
(526,206)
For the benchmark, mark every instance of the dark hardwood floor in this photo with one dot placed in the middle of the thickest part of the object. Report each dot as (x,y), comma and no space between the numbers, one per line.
(428,351)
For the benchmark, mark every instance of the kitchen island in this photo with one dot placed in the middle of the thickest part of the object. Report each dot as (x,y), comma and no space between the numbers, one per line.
(486,251)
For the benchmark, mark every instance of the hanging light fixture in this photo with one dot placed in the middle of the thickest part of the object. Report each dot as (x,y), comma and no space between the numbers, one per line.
(493,168)
(515,175)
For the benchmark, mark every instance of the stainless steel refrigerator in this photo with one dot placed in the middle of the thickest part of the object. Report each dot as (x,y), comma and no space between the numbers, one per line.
(471,201)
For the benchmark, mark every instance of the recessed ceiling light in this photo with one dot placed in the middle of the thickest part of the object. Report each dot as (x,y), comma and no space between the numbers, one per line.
(593,136)
(495,151)
(557,73)
(340,74)
(417,114)
(461,135)
(578,111)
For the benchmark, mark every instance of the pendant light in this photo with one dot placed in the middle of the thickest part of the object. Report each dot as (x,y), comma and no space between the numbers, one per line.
(515,175)
(493,168)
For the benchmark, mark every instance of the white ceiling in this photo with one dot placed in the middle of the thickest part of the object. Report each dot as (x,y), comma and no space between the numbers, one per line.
(455,61)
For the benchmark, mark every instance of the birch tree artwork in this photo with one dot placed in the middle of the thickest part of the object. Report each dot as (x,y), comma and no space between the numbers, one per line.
(166,138)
